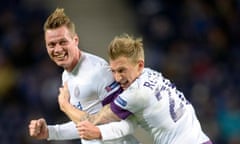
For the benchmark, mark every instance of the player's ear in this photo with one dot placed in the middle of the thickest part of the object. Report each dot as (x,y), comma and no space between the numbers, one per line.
(140,64)
(76,39)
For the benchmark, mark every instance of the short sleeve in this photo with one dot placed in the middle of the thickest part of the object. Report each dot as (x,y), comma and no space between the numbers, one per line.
(132,100)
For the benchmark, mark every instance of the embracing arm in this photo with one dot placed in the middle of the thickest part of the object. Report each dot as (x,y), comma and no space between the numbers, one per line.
(105,115)
(72,112)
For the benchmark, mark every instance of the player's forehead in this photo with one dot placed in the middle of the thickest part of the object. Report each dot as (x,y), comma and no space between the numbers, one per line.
(120,64)
(58,33)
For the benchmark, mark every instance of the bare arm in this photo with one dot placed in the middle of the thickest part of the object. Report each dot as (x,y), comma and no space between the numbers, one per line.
(105,115)
(72,112)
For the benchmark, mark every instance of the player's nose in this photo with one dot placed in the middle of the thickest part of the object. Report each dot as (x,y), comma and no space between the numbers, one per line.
(118,77)
(58,48)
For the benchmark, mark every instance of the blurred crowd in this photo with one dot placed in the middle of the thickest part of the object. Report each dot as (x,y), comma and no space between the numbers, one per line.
(196,44)
(29,81)
(192,42)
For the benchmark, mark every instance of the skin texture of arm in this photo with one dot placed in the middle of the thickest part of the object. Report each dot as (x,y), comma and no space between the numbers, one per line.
(72,112)
(105,115)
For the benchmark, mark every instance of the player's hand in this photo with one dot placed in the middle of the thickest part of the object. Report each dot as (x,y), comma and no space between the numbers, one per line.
(88,131)
(63,97)
(38,129)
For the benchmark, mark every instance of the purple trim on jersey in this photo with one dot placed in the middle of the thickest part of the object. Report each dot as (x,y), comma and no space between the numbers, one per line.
(121,113)
(112,96)
(111,86)
(208,142)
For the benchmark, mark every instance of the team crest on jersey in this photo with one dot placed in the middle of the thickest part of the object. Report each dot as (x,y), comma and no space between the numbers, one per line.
(120,101)
(111,86)
(76,91)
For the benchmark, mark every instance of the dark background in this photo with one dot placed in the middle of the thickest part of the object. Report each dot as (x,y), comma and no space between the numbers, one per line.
(195,43)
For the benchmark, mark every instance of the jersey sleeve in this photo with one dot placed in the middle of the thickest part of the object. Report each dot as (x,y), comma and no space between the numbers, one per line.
(117,130)
(130,101)
(64,131)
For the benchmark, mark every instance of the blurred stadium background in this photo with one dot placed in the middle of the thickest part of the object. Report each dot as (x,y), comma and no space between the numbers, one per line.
(195,43)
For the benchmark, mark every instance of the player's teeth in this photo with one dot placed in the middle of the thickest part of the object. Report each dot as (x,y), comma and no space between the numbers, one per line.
(60,56)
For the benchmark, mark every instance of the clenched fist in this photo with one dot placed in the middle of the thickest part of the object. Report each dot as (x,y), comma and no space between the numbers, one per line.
(38,129)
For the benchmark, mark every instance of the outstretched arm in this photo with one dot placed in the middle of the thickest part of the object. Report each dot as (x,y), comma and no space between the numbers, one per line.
(105,115)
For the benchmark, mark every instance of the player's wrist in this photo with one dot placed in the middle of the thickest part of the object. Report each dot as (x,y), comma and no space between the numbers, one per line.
(100,134)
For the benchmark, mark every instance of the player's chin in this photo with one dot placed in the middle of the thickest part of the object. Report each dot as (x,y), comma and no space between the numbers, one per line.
(62,64)
(125,86)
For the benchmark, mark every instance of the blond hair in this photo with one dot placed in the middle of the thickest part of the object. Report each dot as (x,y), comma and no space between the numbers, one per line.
(57,19)
(127,46)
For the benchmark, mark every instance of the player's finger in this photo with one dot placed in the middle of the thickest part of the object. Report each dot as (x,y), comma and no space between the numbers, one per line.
(82,134)
(36,127)
(33,124)
(33,132)
(41,122)
(33,129)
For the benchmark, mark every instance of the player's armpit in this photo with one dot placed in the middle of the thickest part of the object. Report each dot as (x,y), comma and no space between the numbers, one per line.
(105,115)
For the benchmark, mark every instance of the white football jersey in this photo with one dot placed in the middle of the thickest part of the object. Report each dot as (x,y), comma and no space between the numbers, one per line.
(91,85)
(160,109)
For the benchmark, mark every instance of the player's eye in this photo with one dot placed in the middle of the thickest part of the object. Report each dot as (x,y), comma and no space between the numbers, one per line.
(63,42)
(51,45)
(121,70)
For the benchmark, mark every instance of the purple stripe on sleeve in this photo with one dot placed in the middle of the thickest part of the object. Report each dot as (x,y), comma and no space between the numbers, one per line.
(208,142)
(112,96)
(121,113)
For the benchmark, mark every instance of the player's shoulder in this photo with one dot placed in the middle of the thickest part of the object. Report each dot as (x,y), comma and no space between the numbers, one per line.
(98,66)
(148,76)
(94,63)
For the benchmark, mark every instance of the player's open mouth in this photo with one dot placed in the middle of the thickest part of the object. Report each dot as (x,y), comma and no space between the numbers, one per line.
(60,56)
(124,84)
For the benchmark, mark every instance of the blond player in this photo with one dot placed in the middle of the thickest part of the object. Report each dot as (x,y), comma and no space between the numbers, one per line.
(159,107)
